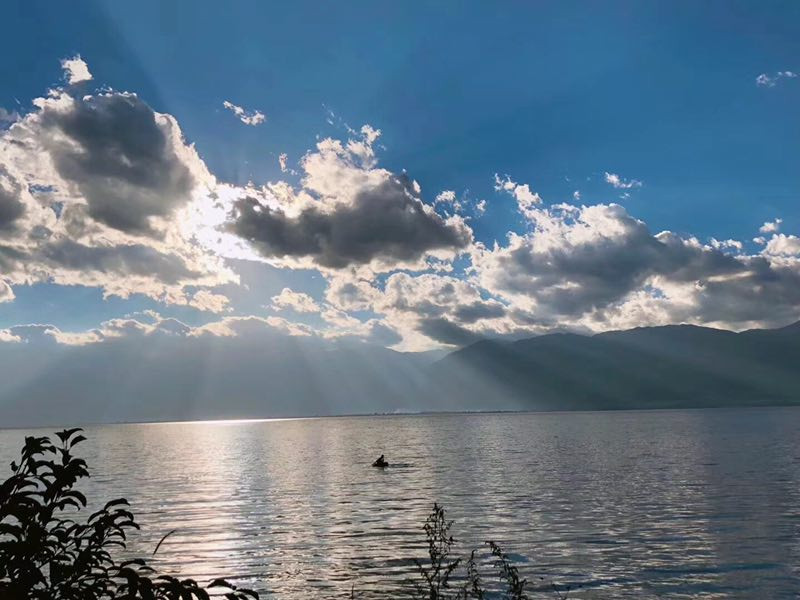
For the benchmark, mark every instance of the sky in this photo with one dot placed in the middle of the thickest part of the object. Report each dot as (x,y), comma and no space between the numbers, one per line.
(411,175)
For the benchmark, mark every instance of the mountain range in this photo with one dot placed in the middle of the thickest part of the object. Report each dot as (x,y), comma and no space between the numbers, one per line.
(169,377)
(677,366)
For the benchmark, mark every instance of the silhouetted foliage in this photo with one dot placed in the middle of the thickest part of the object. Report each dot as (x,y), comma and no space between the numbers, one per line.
(436,577)
(45,555)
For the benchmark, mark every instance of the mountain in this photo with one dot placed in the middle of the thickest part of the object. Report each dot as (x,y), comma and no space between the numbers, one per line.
(167,377)
(162,377)
(649,367)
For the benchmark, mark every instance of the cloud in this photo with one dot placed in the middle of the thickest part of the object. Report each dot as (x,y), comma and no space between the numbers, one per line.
(770,226)
(348,292)
(253,118)
(348,213)
(6,293)
(128,163)
(12,208)
(527,200)
(446,332)
(445,197)
(783,245)
(7,116)
(417,305)
(209,302)
(599,268)
(99,190)
(726,244)
(75,70)
(617,182)
(386,224)
(769,81)
(297,301)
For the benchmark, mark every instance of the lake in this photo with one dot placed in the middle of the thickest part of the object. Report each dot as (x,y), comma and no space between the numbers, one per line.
(668,504)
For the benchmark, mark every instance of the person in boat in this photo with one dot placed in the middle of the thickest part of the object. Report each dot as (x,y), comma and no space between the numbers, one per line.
(381,462)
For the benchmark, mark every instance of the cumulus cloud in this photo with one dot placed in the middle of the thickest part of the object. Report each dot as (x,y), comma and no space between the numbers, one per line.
(348,213)
(297,301)
(252,118)
(621,184)
(769,81)
(209,302)
(114,151)
(7,116)
(11,205)
(770,226)
(726,244)
(75,70)
(783,245)
(386,224)
(598,267)
(98,189)
(6,293)
(527,200)
(95,190)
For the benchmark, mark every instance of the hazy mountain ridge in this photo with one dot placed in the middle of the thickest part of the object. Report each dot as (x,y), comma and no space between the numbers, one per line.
(649,367)
(257,374)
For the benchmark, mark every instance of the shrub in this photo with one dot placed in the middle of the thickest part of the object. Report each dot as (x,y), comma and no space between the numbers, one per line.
(436,575)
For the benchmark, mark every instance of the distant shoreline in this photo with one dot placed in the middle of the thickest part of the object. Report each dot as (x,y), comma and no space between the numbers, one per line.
(441,413)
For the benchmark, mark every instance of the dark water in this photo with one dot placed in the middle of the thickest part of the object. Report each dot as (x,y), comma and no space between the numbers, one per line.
(669,504)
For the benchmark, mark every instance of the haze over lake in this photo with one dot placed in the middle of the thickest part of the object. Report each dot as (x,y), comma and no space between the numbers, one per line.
(625,504)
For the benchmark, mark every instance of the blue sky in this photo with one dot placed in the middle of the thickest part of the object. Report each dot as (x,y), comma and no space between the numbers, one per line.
(553,95)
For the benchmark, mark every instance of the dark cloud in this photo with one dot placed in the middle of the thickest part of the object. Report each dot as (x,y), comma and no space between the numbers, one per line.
(120,157)
(447,332)
(387,222)
(760,292)
(476,311)
(128,260)
(598,262)
(11,208)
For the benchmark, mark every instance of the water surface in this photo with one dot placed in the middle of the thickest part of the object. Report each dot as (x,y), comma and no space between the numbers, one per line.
(667,504)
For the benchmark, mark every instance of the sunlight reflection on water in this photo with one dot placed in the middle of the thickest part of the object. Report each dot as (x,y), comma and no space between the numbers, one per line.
(624,504)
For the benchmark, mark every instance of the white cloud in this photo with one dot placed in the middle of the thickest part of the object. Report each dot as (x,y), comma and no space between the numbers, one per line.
(347,213)
(770,226)
(597,267)
(726,244)
(765,80)
(6,293)
(297,301)
(783,245)
(97,190)
(209,302)
(75,70)
(445,197)
(282,161)
(619,183)
(252,117)
(100,190)
(526,199)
